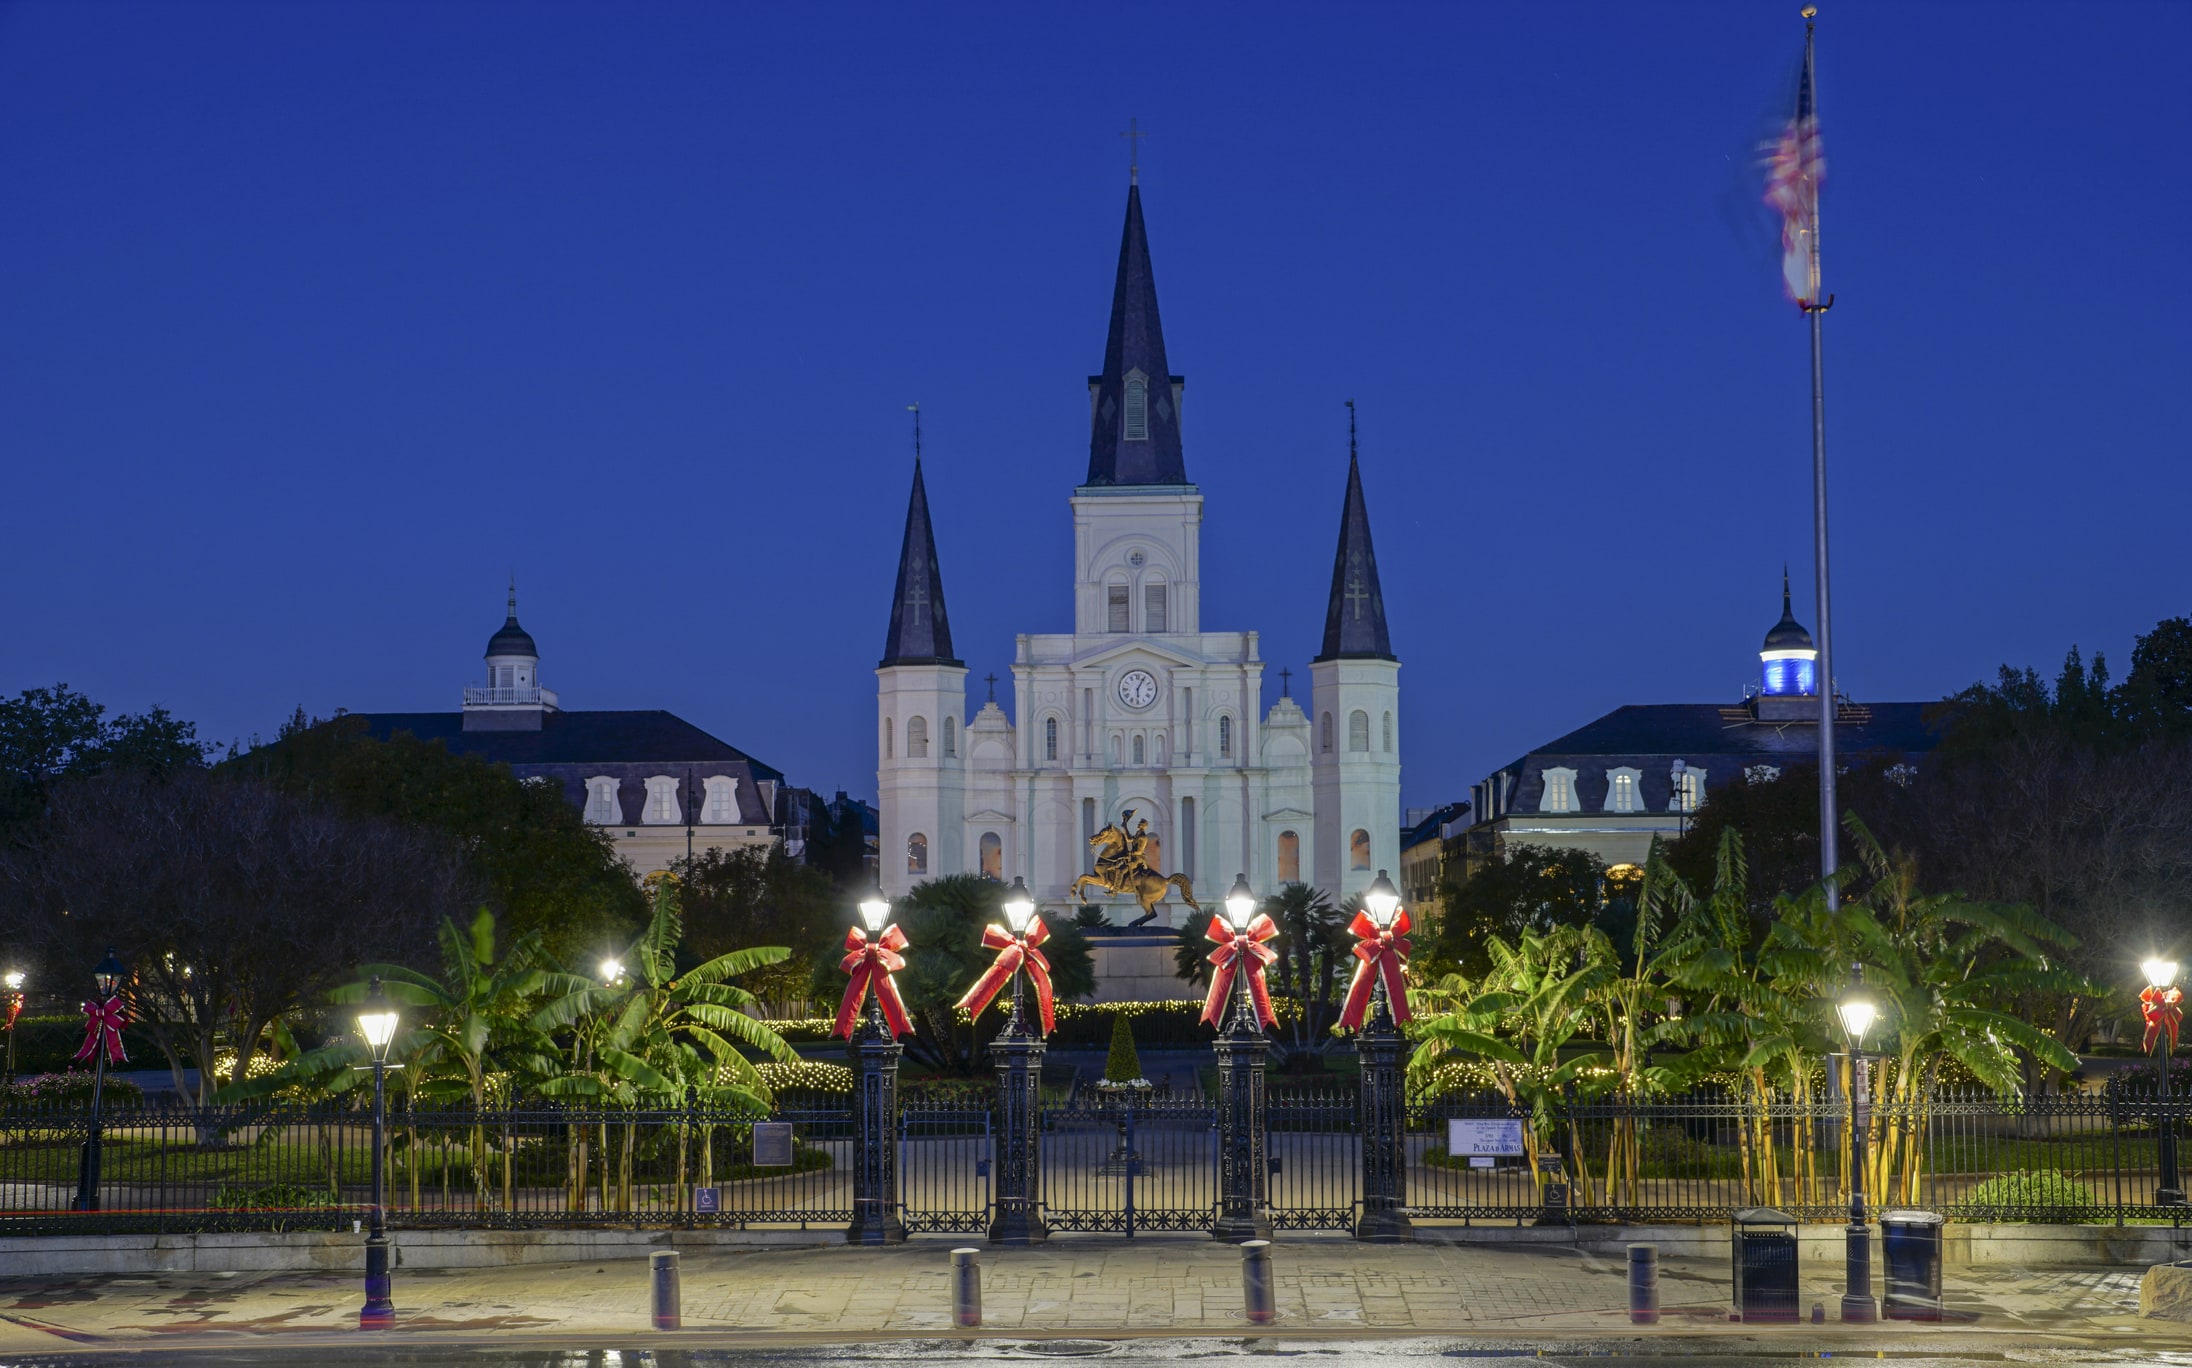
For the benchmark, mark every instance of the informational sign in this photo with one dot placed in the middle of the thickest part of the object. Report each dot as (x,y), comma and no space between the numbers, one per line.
(772,1142)
(1482,1161)
(707,1199)
(1480,1137)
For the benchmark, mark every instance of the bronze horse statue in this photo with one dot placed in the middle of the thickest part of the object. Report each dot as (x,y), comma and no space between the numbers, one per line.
(1117,872)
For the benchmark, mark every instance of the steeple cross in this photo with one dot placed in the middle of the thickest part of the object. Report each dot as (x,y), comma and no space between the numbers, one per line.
(1134,136)
(1286,683)
(991,680)
(1357,593)
(917,598)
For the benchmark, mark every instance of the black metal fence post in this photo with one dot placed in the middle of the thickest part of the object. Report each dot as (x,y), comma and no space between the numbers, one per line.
(1382,1112)
(1244,1173)
(875,1218)
(1019,1181)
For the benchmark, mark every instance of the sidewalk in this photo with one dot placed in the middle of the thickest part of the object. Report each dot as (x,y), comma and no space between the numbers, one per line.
(1085,1286)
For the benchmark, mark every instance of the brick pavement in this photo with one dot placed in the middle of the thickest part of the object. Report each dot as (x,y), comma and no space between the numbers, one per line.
(1089,1286)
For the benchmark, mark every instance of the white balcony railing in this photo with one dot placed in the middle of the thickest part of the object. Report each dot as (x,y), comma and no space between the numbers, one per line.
(476,697)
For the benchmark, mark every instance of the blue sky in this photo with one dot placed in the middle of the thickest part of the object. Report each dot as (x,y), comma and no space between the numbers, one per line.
(317,320)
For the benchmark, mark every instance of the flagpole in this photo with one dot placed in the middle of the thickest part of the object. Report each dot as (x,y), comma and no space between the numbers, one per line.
(1815,310)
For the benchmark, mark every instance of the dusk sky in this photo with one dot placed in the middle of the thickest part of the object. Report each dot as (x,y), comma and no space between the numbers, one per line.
(318,320)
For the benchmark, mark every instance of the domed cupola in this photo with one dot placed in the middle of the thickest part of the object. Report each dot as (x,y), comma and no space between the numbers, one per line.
(513,696)
(1789,660)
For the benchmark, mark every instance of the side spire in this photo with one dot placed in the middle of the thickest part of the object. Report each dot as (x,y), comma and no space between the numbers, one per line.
(1135,404)
(1354,618)
(920,632)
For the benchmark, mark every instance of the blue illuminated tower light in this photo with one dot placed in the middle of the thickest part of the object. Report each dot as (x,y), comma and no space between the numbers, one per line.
(1789,661)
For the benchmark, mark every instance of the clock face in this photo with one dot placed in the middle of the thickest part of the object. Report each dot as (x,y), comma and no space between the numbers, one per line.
(1137,688)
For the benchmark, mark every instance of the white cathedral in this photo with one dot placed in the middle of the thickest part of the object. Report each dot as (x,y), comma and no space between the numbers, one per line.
(1140,708)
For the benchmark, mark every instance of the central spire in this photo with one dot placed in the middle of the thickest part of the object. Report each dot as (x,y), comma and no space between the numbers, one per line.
(920,632)
(1135,404)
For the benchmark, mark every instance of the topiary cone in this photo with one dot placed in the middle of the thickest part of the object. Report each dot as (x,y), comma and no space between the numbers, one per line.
(1125,1062)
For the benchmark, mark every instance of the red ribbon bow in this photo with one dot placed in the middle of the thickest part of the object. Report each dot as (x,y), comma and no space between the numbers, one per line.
(15,1009)
(871,964)
(2162,1013)
(1013,952)
(1381,952)
(1239,950)
(104,1019)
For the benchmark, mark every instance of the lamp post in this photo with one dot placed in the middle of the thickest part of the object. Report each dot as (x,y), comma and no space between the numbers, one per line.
(1244,1170)
(1379,1046)
(1019,1214)
(1680,772)
(105,976)
(14,981)
(874,1055)
(2161,981)
(377,1023)
(1858,1012)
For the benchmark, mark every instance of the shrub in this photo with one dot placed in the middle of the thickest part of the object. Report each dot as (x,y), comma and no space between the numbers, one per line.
(2031,1195)
(806,1076)
(270,1197)
(1125,1062)
(71,1089)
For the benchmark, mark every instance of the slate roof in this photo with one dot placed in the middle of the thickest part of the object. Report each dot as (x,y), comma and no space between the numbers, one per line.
(1135,342)
(1429,826)
(920,629)
(1354,618)
(642,737)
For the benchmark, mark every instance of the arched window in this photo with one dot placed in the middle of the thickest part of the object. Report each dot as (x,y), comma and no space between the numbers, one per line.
(1324,732)
(722,805)
(917,854)
(1225,738)
(917,738)
(1559,794)
(1115,608)
(887,751)
(1137,410)
(1623,792)
(1689,790)
(1138,748)
(1389,733)
(1358,850)
(1358,730)
(661,801)
(1164,749)
(993,856)
(1289,857)
(1115,742)
(1153,607)
(602,807)
(1050,738)
(951,736)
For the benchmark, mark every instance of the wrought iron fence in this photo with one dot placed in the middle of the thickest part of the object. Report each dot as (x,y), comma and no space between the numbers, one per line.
(1108,1166)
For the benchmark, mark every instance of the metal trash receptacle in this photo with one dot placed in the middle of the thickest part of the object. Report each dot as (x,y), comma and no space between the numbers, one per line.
(1762,1248)
(1910,1241)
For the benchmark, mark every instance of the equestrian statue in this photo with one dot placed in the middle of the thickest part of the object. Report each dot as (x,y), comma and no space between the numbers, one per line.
(1122,867)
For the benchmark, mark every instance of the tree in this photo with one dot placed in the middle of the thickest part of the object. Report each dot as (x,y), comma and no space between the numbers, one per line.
(1513,891)
(541,866)
(1312,943)
(1124,1063)
(943,920)
(233,904)
(734,899)
(56,733)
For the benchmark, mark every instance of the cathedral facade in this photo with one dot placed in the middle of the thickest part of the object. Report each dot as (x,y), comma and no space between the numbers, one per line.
(1140,714)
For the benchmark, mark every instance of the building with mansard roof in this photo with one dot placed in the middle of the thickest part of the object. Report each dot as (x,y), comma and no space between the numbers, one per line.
(1142,708)
(1609,787)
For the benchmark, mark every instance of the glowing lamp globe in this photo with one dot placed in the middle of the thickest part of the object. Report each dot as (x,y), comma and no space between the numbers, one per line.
(1858,1013)
(14,980)
(875,910)
(377,1021)
(1240,903)
(611,970)
(1381,900)
(108,973)
(2160,973)
(1019,906)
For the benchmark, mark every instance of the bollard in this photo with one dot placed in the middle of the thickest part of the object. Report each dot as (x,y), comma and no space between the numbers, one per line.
(662,1266)
(1643,1284)
(1256,1297)
(966,1288)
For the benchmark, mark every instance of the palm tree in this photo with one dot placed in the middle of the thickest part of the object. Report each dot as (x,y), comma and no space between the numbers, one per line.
(1312,943)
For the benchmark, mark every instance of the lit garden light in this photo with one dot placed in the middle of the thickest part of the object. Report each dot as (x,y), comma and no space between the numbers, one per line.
(1019,906)
(875,910)
(1377,1001)
(377,1024)
(1381,900)
(874,950)
(14,1007)
(2162,1004)
(1240,903)
(612,971)
(1859,1013)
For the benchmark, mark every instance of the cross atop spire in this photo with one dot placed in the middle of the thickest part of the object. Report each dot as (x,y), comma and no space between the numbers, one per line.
(1135,404)
(1134,136)
(920,631)
(1354,617)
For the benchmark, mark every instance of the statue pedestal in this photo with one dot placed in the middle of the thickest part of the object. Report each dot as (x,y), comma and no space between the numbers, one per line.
(1137,966)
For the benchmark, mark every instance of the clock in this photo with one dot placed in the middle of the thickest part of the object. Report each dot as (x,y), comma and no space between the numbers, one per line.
(1137,688)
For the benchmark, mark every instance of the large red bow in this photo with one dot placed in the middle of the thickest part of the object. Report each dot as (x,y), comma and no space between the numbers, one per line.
(1381,952)
(1238,951)
(871,964)
(104,1019)
(1012,953)
(15,1008)
(2162,1013)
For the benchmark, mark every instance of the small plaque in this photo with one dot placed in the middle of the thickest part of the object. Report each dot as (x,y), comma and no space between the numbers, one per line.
(772,1141)
(1481,1161)
(1473,1136)
(707,1199)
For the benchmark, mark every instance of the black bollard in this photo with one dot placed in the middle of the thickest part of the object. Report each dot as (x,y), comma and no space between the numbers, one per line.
(662,1265)
(966,1288)
(1643,1284)
(1257,1302)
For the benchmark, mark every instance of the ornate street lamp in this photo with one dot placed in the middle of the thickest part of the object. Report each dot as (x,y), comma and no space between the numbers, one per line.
(104,1017)
(1374,1000)
(1244,1167)
(1019,1051)
(1858,1012)
(2162,1005)
(377,1023)
(14,981)
(871,956)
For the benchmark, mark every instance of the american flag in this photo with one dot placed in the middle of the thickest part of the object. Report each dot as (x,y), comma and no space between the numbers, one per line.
(1795,166)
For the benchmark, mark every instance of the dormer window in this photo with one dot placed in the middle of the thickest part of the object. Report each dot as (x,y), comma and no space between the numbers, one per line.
(1560,791)
(722,804)
(1621,790)
(602,807)
(662,805)
(1136,427)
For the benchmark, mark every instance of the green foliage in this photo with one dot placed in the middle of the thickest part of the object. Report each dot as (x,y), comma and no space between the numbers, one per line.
(1313,945)
(943,920)
(2031,1195)
(46,734)
(1512,892)
(738,899)
(70,1088)
(270,1197)
(1124,1064)
(543,869)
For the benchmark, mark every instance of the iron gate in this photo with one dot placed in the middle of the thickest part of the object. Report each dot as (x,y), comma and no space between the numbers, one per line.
(1126,1168)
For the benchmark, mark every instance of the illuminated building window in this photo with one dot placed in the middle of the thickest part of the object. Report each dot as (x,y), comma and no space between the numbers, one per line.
(917,854)
(993,856)
(661,801)
(1560,792)
(1358,850)
(1688,790)
(1621,790)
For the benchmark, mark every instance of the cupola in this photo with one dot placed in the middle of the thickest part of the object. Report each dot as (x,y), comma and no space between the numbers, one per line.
(1789,661)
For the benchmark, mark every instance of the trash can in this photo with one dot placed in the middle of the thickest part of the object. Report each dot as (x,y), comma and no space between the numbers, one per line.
(1762,1247)
(1911,1243)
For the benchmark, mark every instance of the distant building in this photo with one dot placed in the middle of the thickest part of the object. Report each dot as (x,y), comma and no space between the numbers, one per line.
(1424,833)
(1612,785)
(659,785)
